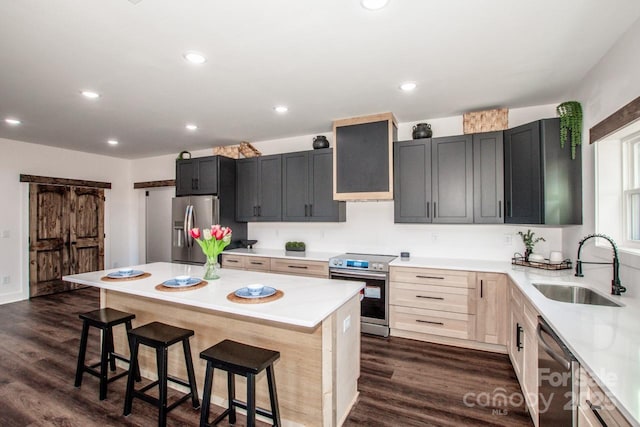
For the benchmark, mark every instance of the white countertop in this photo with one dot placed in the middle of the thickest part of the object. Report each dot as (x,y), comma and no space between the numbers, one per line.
(281,253)
(605,340)
(306,302)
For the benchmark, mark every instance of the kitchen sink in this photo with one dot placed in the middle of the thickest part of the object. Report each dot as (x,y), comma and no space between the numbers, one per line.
(574,294)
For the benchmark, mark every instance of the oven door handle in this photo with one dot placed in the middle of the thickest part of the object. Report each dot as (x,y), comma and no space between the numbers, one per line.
(354,275)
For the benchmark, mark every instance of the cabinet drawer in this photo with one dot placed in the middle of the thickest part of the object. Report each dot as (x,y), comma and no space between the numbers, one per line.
(594,400)
(233,261)
(455,325)
(430,276)
(431,297)
(257,263)
(304,268)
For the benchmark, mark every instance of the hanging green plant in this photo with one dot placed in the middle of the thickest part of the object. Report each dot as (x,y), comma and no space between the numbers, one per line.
(570,113)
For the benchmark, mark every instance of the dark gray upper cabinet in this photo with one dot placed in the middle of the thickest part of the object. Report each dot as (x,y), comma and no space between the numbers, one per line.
(259,189)
(412,181)
(363,150)
(488,178)
(542,184)
(452,179)
(197,176)
(307,187)
(434,180)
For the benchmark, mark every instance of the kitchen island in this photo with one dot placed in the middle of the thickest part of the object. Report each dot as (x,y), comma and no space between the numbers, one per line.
(315,326)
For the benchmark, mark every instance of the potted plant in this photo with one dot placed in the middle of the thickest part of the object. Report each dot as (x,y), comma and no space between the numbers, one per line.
(295,246)
(529,242)
(570,113)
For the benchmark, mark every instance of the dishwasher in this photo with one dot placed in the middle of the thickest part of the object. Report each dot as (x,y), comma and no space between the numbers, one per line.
(557,380)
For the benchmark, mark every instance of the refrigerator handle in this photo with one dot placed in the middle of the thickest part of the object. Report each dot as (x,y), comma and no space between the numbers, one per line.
(185,227)
(190,222)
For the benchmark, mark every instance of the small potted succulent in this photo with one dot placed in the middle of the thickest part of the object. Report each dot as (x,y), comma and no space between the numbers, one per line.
(529,242)
(295,246)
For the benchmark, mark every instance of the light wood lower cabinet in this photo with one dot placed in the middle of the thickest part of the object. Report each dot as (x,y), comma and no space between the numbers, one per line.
(276,265)
(522,345)
(594,405)
(300,267)
(429,303)
(491,309)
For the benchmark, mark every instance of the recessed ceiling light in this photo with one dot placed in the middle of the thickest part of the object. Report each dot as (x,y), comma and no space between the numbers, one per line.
(408,86)
(374,4)
(195,57)
(11,121)
(90,94)
(281,109)
(191,126)
(112,142)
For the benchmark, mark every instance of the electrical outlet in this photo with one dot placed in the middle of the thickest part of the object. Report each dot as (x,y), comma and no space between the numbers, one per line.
(435,237)
(6,280)
(508,240)
(346,324)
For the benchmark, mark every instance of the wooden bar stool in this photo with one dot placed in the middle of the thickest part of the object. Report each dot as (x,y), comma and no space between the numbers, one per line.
(245,360)
(104,319)
(161,336)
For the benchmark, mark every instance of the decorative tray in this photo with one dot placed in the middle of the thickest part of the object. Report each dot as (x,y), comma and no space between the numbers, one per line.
(544,265)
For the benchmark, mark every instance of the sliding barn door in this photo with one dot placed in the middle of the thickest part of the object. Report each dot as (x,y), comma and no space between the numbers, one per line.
(86,229)
(66,235)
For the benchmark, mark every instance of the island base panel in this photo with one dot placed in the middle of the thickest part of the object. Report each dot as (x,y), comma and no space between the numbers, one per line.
(316,375)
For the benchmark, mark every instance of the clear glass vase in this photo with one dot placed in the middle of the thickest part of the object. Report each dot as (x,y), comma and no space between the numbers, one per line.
(211,269)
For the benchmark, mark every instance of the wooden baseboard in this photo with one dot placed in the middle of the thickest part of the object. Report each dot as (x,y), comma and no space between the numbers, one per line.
(456,342)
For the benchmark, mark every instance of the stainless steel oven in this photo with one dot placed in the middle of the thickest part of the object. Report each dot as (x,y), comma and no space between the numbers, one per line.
(374,271)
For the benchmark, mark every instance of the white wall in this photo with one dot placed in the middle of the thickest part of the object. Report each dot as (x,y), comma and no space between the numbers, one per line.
(24,158)
(610,85)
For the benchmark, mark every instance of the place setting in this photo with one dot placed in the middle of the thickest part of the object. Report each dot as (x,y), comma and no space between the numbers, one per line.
(181,283)
(255,294)
(125,274)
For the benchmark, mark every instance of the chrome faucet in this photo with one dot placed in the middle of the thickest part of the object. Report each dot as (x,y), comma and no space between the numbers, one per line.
(616,286)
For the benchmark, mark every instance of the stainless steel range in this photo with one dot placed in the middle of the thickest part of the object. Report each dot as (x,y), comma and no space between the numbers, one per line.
(374,271)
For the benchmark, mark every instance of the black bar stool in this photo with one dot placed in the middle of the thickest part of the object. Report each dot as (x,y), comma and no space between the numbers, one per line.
(245,360)
(104,319)
(160,336)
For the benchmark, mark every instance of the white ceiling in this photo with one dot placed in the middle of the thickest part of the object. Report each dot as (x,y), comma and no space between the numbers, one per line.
(324,59)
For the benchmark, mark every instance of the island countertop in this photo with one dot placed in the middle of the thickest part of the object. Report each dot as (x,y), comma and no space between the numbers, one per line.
(306,302)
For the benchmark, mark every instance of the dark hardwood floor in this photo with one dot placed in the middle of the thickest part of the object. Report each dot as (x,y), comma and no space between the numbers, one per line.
(402,383)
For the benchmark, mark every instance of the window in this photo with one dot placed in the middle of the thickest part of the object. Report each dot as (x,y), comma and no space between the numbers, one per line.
(631,190)
(618,187)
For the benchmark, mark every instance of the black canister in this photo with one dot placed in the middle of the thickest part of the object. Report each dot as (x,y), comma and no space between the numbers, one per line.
(422,130)
(320,141)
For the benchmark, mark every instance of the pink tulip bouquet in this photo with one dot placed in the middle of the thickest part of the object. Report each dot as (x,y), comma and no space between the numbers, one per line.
(212,242)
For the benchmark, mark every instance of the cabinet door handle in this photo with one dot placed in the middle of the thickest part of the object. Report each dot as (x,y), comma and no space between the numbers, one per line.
(428,210)
(303,267)
(481,288)
(255,211)
(518,339)
(197,183)
(235,261)
(429,277)
(310,210)
(509,212)
(193,183)
(435,211)
(499,208)
(259,210)
(428,297)
(430,322)
(257,263)
(596,411)
(306,210)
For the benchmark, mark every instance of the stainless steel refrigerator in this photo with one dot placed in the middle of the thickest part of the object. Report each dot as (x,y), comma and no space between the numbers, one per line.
(190,212)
